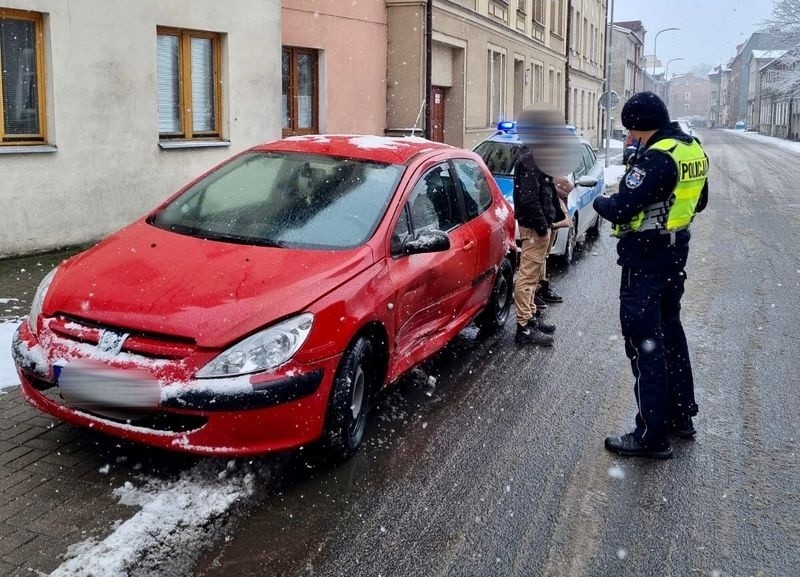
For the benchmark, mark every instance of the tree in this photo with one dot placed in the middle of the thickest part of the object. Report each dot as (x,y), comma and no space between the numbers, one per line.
(785,24)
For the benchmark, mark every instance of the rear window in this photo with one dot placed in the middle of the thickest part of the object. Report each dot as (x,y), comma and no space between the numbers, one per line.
(500,157)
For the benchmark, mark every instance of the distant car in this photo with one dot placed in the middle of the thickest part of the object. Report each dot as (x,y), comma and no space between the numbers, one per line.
(262,306)
(500,152)
(740,125)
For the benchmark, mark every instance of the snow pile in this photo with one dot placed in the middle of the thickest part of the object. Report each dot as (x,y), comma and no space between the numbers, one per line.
(177,518)
(775,141)
(613,174)
(8,374)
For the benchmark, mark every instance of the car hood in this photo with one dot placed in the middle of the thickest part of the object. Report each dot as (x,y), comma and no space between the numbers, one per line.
(155,281)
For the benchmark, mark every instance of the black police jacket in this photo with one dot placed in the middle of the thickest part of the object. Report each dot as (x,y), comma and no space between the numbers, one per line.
(651,178)
(535,197)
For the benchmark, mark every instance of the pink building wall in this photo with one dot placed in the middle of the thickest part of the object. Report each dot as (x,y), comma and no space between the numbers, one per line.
(352,38)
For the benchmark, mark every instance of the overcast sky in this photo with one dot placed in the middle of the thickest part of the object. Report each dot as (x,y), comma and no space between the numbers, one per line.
(709,29)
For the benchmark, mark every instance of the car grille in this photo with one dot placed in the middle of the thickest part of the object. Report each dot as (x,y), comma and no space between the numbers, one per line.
(144,344)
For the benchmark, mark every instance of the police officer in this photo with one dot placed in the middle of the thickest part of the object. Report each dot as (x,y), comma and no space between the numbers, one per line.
(659,195)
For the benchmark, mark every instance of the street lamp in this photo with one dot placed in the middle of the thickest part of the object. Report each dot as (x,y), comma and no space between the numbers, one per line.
(655,40)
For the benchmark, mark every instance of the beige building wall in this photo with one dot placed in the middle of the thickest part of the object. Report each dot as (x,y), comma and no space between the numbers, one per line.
(586,66)
(103,165)
(351,38)
(528,53)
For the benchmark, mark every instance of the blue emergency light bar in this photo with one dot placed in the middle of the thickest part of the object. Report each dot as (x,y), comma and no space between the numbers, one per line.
(507,126)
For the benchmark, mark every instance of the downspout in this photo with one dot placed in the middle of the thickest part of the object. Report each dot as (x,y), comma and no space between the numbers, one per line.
(566,68)
(428,66)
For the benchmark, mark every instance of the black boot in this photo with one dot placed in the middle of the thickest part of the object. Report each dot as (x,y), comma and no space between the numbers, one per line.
(628,445)
(548,295)
(531,335)
(683,427)
(540,304)
(543,326)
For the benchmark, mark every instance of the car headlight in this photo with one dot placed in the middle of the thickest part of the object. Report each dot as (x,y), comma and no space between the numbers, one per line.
(38,300)
(264,350)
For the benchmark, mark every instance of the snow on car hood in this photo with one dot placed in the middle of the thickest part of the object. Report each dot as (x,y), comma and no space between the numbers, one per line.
(151,280)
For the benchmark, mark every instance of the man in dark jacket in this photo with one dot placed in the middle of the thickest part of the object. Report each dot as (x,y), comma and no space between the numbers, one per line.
(659,195)
(534,208)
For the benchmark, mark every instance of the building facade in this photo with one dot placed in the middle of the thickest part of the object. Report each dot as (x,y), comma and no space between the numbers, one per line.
(779,95)
(627,74)
(586,66)
(105,112)
(689,96)
(740,70)
(490,58)
(333,67)
(758,59)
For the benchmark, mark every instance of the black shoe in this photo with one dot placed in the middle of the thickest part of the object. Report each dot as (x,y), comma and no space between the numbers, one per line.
(549,296)
(540,304)
(546,328)
(531,335)
(628,445)
(683,427)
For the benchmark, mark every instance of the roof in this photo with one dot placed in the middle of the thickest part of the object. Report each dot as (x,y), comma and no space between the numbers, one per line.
(393,150)
(764,54)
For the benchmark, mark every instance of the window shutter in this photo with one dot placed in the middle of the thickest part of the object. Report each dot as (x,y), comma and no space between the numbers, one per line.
(20,84)
(168,84)
(202,85)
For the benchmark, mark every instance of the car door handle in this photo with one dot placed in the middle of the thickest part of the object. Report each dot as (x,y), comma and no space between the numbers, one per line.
(469,245)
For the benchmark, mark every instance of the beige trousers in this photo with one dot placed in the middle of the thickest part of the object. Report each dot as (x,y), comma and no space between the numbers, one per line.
(531,270)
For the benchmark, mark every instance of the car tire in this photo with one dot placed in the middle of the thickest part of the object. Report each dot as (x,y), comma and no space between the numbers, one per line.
(594,230)
(349,401)
(498,309)
(570,245)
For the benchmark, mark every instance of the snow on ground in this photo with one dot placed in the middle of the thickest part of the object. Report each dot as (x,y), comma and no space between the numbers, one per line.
(613,173)
(780,142)
(8,374)
(177,518)
(613,144)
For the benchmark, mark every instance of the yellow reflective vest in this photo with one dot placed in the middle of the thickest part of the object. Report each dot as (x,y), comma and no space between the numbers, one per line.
(677,212)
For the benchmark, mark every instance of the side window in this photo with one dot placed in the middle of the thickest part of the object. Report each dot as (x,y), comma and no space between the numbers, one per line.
(477,195)
(434,204)
(588,158)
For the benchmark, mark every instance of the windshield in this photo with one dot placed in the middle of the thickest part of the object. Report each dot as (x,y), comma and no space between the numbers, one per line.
(285,199)
(500,157)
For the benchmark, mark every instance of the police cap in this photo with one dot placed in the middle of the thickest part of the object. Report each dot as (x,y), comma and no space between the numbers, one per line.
(645,111)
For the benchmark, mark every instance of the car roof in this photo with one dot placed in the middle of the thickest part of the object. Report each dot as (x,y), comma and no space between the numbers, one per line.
(513,138)
(392,150)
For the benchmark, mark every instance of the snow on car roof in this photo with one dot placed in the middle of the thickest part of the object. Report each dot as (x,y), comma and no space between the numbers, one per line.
(394,150)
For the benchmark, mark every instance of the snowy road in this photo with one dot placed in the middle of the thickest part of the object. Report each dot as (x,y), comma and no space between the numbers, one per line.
(500,470)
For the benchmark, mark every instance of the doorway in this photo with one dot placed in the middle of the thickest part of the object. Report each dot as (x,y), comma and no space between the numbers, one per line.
(437,113)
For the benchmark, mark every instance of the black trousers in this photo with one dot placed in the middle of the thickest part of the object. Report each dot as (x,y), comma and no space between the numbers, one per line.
(650,306)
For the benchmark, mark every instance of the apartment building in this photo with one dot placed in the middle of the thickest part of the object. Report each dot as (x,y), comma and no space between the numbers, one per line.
(108,107)
(688,96)
(627,74)
(489,59)
(333,67)
(758,60)
(586,65)
(779,96)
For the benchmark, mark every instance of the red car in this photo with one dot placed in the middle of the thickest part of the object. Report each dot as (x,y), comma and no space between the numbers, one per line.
(263,305)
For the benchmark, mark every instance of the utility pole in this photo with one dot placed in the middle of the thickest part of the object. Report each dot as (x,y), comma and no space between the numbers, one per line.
(567,39)
(608,79)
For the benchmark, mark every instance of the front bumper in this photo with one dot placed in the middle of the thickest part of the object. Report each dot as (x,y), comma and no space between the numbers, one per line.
(221,417)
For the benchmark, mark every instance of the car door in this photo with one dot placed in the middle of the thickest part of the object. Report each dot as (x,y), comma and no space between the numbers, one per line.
(486,226)
(431,288)
(583,196)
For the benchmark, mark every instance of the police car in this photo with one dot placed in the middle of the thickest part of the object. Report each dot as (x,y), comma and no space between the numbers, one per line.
(500,151)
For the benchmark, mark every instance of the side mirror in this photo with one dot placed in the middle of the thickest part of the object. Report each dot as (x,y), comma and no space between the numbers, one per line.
(427,241)
(586,181)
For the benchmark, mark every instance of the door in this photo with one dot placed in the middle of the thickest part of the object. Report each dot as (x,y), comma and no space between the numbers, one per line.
(431,288)
(437,114)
